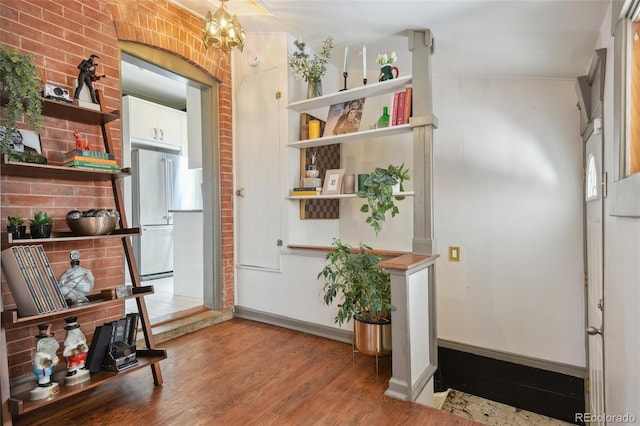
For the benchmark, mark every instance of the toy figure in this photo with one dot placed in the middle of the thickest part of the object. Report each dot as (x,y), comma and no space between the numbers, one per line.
(44,361)
(75,350)
(81,143)
(87,76)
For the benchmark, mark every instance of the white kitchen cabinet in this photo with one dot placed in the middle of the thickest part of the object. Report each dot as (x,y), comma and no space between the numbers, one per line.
(148,123)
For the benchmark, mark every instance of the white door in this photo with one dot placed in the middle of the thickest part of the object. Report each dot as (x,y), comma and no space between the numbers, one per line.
(259,193)
(595,303)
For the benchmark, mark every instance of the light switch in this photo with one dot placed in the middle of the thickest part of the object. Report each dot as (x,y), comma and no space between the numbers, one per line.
(454,254)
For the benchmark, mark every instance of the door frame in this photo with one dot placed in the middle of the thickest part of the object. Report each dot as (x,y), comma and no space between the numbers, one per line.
(211,174)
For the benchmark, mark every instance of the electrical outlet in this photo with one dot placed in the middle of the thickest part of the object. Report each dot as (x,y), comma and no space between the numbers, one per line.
(454,254)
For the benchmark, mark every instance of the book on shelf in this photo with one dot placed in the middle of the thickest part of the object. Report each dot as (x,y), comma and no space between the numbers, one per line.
(89,153)
(43,262)
(305,188)
(119,330)
(93,160)
(91,165)
(394,109)
(41,289)
(132,332)
(408,93)
(20,284)
(313,191)
(401,97)
(99,347)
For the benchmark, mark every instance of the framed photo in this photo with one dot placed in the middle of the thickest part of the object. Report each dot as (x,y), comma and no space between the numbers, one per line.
(333,182)
(344,118)
(24,141)
(304,125)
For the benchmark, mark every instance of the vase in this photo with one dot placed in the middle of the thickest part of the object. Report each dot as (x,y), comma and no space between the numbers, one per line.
(40,231)
(314,88)
(387,73)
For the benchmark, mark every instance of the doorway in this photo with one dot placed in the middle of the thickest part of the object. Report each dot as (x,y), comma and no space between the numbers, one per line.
(185,88)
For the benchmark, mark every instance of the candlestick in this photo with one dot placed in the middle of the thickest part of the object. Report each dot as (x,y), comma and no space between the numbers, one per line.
(346,59)
(345,75)
(364,62)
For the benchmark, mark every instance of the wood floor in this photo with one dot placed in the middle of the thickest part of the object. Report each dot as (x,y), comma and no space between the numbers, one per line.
(242,372)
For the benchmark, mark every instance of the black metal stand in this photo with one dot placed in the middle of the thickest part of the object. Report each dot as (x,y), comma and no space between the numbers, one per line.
(345,75)
(364,80)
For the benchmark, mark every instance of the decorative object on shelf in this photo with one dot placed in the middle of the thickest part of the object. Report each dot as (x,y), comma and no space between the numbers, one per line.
(43,363)
(314,129)
(364,65)
(40,225)
(345,68)
(362,177)
(378,191)
(16,227)
(93,221)
(87,76)
(386,68)
(81,143)
(76,282)
(312,171)
(304,125)
(349,184)
(311,69)
(75,351)
(25,146)
(327,157)
(383,121)
(222,31)
(333,182)
(344,117)
(20,78)
(363,290)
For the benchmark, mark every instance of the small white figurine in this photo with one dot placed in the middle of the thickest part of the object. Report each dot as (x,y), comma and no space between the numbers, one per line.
(75,351)
(43,363)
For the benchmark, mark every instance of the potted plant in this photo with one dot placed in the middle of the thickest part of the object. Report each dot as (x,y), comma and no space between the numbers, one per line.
(20,79)
(378,191)
(363,289)
(311,69)
(40,225)
(16,227)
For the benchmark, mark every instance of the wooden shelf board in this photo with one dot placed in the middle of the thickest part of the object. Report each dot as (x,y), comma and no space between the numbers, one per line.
(7,240)
(370,90)
(16,168)
(349,137)
(334,196)
(11,316)
(21,404)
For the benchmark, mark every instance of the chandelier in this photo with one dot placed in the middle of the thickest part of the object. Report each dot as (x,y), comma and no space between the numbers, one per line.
(222,31)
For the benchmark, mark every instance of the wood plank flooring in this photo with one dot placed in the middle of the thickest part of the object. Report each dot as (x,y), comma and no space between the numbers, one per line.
(242,372)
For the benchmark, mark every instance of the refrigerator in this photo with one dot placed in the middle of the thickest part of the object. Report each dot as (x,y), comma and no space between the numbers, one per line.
(161,183)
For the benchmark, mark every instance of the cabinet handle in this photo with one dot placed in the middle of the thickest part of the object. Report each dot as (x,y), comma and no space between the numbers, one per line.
(155,133)
(161,134)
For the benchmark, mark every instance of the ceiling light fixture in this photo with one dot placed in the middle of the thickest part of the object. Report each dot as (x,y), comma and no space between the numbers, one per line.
(222,31)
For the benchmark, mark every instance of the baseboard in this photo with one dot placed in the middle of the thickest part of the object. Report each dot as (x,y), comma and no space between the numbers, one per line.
(294,324)
(538,390)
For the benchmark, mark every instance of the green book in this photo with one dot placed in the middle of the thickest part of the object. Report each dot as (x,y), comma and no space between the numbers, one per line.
(76,163)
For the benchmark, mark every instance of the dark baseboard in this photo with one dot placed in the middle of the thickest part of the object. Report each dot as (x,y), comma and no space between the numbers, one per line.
(540,391)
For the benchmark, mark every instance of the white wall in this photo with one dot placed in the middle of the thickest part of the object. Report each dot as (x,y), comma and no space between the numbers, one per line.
(507,191)
(622,276)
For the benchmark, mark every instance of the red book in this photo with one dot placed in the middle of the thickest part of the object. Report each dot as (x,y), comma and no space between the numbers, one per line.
(394,110)
(401,96)
(407,105)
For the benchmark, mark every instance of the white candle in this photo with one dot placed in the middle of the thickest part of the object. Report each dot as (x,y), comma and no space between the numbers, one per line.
(364,62)
(346,59)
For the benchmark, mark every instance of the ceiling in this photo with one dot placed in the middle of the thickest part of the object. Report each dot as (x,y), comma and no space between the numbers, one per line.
(519,38)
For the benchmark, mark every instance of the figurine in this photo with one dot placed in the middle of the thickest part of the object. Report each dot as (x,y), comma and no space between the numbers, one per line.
(87,76)
(75,350)
(76,282)
(44,361)
(81,144)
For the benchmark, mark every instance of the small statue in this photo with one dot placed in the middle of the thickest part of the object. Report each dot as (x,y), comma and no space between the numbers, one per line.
(87,76)
(81,144)
(75,351)
(44,361)
(76,282)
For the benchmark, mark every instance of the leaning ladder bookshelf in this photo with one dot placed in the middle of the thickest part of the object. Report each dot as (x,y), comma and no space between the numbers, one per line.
(15,400)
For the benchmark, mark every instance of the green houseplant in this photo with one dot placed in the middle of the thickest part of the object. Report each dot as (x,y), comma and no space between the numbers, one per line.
(363,289)
(16,227)
(40,225)
(21,81)
(378,191)
(311,68)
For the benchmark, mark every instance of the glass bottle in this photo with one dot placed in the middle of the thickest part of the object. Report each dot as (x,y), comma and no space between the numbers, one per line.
(76,282)
(383,121)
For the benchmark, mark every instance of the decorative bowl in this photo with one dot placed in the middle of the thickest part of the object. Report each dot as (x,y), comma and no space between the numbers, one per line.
(92,225)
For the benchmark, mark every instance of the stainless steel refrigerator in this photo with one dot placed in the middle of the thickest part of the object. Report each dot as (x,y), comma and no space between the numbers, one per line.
(161,182)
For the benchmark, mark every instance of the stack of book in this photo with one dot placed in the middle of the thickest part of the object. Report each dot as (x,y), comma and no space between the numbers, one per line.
(82,158)
(113,346)
(401,110)
(311,190)
(31,280)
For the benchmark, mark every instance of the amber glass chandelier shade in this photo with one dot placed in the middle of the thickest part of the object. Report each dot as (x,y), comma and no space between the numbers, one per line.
(222,31)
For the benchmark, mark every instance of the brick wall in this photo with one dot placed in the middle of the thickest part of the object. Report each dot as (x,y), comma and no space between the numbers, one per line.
(59,35)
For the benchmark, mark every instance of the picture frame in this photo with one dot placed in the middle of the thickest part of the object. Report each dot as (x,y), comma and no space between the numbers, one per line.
(30,141)
(304,125)
(344,118)
(333,182)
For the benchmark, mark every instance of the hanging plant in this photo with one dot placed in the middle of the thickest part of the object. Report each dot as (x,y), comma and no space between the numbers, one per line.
(21,82)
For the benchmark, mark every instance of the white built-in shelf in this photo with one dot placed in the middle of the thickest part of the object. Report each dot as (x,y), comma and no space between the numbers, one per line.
(349,137)
(369,90)
(334,196)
